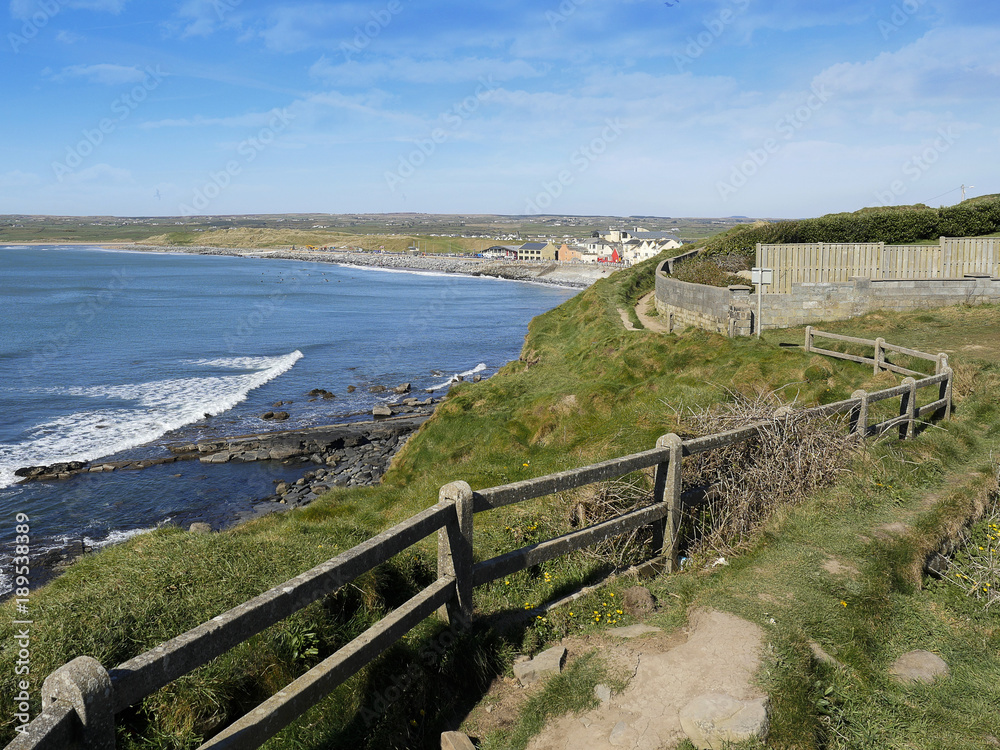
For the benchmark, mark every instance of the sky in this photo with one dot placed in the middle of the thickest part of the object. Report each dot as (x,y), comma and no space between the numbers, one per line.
(589,107)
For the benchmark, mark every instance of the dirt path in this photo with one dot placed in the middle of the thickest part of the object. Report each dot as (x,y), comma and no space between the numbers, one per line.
(656,324)
(722,654)
(626,321)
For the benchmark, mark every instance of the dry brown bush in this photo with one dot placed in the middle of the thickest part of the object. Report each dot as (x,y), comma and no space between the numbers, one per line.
(733,491)
(730,493)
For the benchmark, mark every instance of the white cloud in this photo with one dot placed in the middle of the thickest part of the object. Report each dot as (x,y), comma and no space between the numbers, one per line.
(299,27)
(246,120)
(103,73)
(25,9)
(407,69)
(17,178)
(100,175)
(943,64)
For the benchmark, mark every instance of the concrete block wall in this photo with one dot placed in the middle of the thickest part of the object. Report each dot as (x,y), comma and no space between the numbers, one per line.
(732,311)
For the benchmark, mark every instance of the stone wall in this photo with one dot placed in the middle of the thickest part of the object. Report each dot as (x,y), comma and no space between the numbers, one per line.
(810,303)
(723,310)
(733,311)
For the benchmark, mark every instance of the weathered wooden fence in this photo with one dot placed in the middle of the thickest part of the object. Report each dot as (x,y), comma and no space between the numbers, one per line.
(81,698)
(833,262)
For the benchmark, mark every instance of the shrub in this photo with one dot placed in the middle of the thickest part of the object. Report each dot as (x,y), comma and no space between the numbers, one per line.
(705,271)
(889,224)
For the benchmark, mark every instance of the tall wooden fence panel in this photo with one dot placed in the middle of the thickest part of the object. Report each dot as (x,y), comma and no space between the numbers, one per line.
(829,262)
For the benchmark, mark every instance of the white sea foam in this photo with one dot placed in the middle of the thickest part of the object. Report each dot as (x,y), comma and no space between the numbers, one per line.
(148,411)
(115,537)
(417,271)
(454,378)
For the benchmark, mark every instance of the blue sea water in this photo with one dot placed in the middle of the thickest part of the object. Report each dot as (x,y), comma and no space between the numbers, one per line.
(114,354)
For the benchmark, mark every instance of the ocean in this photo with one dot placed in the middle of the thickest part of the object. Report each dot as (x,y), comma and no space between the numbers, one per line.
(113,354)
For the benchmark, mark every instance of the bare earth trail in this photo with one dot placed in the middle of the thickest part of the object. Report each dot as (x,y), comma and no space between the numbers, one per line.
(721,654)
(656,324)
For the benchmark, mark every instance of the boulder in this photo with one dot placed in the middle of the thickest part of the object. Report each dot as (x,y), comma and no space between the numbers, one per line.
(351,388)
(381,410)
(267,415)
(546,664)
(377,389)
(638,602)
(404,388)
(200,528)
(715,720)
(918,666)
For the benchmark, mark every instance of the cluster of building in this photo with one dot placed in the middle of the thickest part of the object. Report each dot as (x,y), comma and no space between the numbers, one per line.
(614,246)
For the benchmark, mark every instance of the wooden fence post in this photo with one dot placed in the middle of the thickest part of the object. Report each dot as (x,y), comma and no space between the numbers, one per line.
(809,339)
(908,409)
(859,416)
(455,551)
(941,364)
(879,354)
(945,392)
(667,489)
(85,685)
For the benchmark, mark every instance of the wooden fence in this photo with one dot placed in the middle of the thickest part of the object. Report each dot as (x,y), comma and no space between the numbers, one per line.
(81,698)
(829,262)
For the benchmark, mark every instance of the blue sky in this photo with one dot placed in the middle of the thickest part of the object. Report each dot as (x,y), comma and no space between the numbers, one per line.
(622,107)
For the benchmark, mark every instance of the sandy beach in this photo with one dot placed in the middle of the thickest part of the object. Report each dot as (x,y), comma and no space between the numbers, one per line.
(578,275)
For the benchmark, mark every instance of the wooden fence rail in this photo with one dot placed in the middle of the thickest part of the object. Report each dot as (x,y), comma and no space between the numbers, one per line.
(81,698)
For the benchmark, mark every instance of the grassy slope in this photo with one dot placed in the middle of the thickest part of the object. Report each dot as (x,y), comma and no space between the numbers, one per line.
(584,390)
(269,238)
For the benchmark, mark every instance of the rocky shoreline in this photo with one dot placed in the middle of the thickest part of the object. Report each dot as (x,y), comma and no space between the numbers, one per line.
(574,275)
(341,455)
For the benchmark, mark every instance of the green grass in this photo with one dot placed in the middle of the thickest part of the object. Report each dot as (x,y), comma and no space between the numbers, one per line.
(570,691)
(584,390)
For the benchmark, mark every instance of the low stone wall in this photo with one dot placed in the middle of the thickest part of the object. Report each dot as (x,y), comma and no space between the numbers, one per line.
(733,311)
(724,310)
(810,303)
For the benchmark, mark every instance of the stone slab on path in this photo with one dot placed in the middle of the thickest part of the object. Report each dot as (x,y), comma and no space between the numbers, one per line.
(714,720)
(918,666)
(546,664)
(721,655)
